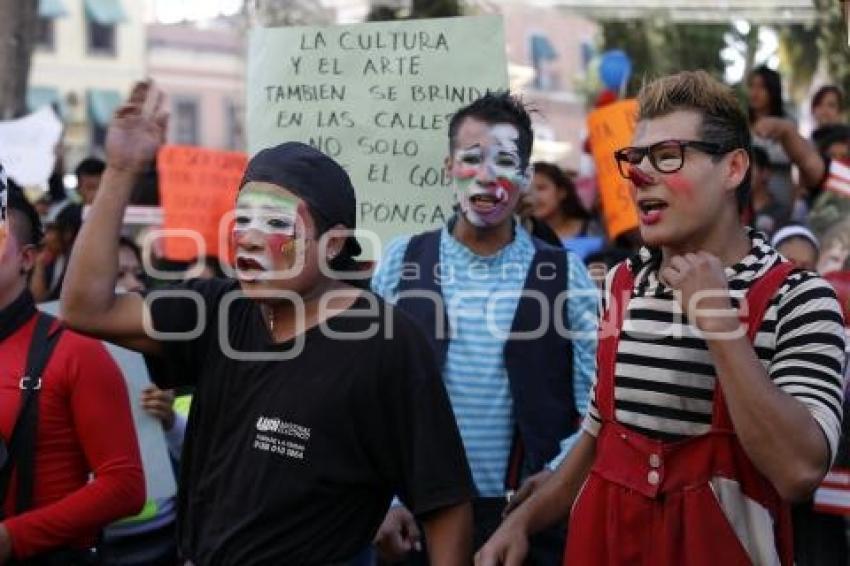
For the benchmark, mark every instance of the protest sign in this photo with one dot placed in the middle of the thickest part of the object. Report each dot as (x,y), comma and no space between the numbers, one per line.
(377,97)
(197,188)
(156,463)
(28,147)
(611,128)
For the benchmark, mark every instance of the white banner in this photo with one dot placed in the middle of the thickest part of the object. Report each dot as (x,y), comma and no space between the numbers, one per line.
(28,147)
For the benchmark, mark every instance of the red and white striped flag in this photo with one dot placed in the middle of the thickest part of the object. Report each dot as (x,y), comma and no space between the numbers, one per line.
(838,180)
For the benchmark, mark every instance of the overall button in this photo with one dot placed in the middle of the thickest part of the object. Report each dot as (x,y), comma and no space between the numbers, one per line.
(655,460)
(653,477)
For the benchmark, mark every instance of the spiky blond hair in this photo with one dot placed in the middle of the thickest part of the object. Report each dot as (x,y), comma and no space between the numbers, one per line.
(724,122)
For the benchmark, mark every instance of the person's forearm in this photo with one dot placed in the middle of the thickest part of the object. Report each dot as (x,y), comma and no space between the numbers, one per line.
(805,157)
(448,533)
(553,501)
(89,286)
(776,431)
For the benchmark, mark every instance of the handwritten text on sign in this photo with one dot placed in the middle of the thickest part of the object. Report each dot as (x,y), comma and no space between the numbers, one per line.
(611,128)
(197,188)
(378,98)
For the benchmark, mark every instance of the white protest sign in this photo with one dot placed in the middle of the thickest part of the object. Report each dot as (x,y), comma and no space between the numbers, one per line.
(156,462)
(28,147)
(377,97)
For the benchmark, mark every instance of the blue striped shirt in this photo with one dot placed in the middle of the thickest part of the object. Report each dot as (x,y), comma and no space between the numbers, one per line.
(481,297)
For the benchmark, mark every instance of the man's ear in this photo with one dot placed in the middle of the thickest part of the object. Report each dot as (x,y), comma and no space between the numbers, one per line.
(447,165)
(28,253)
(739,164)
(334,240)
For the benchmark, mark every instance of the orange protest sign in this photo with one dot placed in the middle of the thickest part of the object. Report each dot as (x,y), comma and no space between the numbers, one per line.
(197,188)
(611,128)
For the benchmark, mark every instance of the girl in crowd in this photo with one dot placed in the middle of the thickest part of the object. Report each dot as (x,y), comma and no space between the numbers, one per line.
(778,135)
(557,204)
(828,106)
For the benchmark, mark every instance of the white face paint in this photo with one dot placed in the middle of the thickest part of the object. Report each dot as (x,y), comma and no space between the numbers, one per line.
(487,172)
(273,218)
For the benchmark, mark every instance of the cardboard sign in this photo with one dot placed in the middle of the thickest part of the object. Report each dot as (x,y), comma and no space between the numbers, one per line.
(377,97)
(28,147)
(611,128)
(197,189)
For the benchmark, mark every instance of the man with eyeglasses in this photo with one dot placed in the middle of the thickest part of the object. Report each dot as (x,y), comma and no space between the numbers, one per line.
(719,389)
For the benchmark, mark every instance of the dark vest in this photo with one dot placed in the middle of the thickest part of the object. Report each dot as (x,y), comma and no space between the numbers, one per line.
(540,368)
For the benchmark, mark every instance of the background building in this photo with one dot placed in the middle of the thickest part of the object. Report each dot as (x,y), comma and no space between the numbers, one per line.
(89,54)
(202,71)
(549,52)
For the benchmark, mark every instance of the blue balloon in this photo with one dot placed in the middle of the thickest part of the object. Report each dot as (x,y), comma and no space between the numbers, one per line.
(615,69)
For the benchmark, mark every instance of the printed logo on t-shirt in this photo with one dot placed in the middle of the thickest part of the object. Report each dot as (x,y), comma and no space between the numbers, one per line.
(278,436)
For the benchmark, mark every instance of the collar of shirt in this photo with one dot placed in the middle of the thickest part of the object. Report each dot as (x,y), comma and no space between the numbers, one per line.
(16,314)
(645,265)
(456,252)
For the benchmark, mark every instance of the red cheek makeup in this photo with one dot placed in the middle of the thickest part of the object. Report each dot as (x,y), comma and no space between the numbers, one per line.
(679,184)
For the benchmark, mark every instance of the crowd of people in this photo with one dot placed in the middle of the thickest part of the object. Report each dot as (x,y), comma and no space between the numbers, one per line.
(513,386)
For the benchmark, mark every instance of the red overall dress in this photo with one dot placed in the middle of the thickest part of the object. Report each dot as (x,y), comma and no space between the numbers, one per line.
(648,502)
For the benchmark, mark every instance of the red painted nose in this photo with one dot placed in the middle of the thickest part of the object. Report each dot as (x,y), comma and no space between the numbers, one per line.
(639,178)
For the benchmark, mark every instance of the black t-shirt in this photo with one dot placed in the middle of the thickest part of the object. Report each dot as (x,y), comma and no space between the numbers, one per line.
(295,461)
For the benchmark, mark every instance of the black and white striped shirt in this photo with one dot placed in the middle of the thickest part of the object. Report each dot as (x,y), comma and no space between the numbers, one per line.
(664,372)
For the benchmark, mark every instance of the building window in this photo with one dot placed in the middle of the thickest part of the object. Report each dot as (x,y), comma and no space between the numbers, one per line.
(44,34)
(98,136)
(186,121)
(101,38)
(542,55)
(45,28)
(101,106)
(233,121)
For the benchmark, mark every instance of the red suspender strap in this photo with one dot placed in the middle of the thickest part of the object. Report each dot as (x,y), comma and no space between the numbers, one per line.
(609,337)
(757,301)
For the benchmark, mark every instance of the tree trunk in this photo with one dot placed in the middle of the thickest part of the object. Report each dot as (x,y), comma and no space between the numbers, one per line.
(18,19)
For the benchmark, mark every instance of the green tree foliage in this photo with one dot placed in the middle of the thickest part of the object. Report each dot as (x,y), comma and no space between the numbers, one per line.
(804,47)
(832,42)
(418,9)
(798,55)
(658,47)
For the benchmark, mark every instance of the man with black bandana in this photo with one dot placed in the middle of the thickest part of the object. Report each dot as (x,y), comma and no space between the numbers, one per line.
(315,402)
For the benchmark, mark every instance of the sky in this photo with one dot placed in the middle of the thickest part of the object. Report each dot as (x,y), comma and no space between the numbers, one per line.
(174,11)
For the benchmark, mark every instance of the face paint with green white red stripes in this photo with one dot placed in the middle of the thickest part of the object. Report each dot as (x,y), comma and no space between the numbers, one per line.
(264,232)
(487,172)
